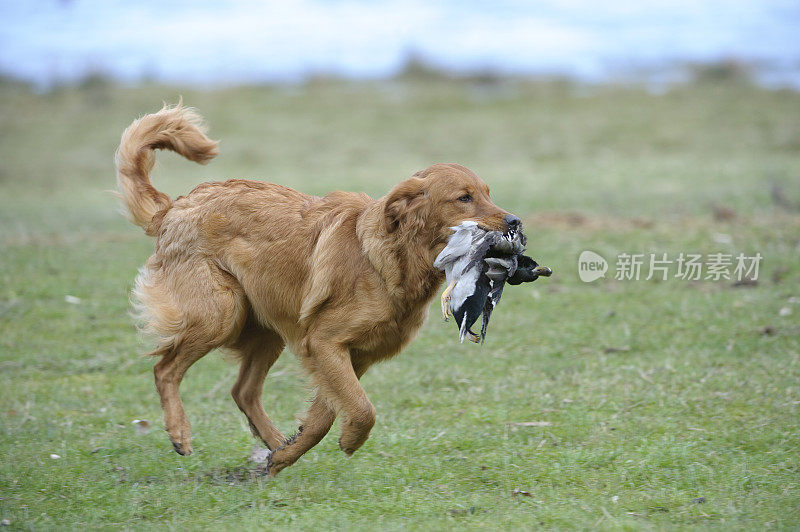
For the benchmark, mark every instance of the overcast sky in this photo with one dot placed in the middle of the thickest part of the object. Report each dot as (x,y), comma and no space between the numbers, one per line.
(248,40)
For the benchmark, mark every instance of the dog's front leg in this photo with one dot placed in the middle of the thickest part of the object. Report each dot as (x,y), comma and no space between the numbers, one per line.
(337,379)
(314,425)
(338,389)
(333,372)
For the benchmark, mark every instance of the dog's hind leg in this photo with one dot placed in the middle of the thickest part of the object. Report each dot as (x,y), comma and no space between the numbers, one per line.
(193,313)
(169,372)
(258,350)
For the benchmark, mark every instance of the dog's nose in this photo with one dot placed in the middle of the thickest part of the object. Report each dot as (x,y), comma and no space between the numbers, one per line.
(512,221)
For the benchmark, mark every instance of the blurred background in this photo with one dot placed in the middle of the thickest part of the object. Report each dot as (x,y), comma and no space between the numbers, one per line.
(614,107)
(249,41)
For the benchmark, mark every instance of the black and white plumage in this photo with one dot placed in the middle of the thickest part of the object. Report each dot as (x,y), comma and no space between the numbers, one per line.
(477,264)
(455,260)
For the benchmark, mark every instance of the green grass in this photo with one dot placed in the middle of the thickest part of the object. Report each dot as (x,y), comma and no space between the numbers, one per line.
(655,394)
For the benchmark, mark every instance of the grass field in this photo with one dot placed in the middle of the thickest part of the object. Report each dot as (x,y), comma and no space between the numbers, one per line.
(610,405)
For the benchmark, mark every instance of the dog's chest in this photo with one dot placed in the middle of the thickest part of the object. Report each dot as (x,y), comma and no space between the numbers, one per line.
(386,338)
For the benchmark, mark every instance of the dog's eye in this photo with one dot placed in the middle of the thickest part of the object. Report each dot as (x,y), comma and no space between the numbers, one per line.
(466,198)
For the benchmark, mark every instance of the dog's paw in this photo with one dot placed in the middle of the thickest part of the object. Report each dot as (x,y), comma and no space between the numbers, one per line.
(348,450)
(272,467)
(182,449)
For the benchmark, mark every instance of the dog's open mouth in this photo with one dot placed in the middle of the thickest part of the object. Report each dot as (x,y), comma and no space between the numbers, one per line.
(510,234)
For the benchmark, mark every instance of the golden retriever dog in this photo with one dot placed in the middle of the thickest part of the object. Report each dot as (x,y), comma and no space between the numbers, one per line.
(344,280)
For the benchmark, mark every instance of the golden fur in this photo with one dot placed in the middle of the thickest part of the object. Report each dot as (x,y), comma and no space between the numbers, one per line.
(344,280)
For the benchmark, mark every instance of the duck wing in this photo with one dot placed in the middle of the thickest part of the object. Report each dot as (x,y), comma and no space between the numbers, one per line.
(480,248)
(492,299)
(499,269)
(458,245)
(469,297)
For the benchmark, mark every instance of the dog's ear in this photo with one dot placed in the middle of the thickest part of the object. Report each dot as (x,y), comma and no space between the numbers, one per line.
(407,206)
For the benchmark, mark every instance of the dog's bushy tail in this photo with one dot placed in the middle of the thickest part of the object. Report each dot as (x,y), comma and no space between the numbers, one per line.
(179,129)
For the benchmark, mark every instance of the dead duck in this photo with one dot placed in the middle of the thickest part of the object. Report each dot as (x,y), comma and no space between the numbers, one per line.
(477,264)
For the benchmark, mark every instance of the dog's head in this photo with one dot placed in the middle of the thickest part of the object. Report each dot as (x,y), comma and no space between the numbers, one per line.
(442,196)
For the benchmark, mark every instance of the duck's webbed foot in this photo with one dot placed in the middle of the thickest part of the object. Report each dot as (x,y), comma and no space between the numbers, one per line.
(446,300)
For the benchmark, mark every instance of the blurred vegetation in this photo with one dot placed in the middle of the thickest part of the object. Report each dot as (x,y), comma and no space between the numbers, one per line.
(667,404)
(722,72)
